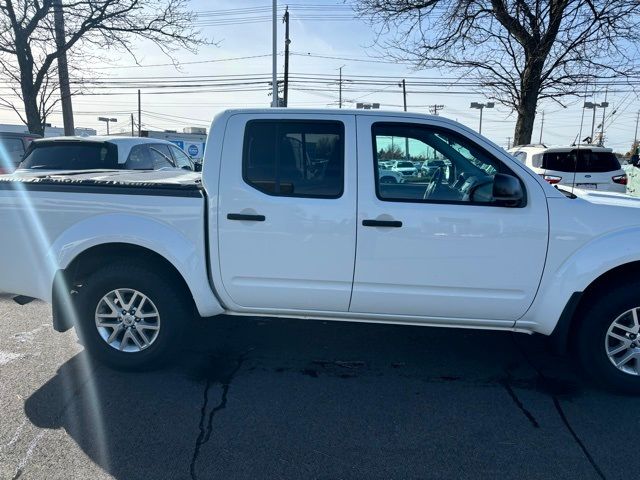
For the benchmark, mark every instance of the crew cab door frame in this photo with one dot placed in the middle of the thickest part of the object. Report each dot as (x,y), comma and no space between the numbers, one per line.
(279,254)
(450,262)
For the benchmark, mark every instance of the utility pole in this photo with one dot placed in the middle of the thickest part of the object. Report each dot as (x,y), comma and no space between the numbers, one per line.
(604,109)
(340,88)
(139,115)
(434,109)
(541,127)
(274,55)
(287,41)
(404,94)
(63,69)
(508,143)
(635,137)
(132,124)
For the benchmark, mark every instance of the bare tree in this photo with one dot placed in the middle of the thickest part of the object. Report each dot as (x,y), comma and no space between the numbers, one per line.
(521,51)
(28,52)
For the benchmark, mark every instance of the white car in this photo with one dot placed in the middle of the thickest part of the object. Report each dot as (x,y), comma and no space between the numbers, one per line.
(588,167)
(404,167)
(104,153)
(128,257)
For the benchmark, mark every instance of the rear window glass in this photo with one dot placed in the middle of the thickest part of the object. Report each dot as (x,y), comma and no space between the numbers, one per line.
(580,161)
(71,156)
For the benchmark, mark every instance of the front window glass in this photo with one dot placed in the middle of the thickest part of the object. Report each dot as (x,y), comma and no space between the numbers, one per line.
(11,152)
(452,168)
(181,158)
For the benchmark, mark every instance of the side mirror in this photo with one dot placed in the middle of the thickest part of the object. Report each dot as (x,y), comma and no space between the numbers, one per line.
(507,190)
(634,160)
(197,166)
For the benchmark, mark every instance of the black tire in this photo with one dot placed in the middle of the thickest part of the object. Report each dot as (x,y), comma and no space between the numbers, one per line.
(591,333)
(165,295)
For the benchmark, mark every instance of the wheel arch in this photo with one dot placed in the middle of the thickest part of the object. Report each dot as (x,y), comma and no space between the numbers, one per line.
(580,302)
(68,279)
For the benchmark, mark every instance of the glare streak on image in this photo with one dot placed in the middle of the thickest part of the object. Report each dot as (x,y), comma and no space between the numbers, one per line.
(35,234)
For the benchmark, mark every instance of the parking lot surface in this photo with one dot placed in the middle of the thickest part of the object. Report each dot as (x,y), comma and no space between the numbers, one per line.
(263,398)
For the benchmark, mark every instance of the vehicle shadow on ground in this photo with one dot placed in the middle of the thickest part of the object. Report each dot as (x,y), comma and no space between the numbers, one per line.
(261,398)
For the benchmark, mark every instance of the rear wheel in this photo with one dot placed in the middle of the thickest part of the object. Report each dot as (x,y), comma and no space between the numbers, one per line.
(131,316)
(608,339)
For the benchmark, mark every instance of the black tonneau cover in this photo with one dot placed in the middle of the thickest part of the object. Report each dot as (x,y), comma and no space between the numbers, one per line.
(124,182)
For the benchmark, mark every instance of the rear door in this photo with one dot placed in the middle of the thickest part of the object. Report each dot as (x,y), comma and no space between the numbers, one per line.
(287,212)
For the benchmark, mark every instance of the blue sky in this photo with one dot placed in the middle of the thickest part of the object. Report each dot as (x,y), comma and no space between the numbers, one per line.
(351,40)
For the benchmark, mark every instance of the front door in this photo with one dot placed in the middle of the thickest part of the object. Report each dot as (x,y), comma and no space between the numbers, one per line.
(287,226)
(437,245)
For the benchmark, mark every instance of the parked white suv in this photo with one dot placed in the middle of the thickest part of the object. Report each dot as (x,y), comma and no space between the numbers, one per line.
(587,167)
(404,167)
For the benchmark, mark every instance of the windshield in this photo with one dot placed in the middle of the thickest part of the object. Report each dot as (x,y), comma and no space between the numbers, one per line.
(580,161)
(405,165)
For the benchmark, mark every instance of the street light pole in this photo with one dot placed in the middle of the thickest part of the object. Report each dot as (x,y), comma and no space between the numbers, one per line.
(107,120)
(481,107)
(594,106)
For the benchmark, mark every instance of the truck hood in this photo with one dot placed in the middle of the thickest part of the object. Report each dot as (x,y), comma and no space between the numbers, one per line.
(607,198)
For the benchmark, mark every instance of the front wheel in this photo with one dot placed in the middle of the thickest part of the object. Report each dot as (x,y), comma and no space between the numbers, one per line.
(130,316)
(608,339)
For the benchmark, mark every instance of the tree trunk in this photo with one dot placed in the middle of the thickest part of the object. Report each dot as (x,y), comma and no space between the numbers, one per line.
(529,91)
(28,89)
(30,100)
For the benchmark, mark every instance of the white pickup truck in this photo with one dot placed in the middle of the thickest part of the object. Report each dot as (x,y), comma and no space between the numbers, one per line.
(290,220)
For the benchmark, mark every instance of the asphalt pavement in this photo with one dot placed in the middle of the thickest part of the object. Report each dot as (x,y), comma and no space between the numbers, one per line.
(254,398)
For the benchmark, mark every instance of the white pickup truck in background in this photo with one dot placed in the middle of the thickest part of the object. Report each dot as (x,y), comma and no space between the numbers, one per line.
(290,219)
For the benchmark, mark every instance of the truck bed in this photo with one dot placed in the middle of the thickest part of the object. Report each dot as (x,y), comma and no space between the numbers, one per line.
(47,218)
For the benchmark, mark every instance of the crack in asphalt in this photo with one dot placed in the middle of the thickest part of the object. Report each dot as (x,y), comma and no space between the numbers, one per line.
(565,420)
(560,411)
(519,404)
(206,427)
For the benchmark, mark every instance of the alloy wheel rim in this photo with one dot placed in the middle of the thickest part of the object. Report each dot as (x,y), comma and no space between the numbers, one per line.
(127,320)
(622,342)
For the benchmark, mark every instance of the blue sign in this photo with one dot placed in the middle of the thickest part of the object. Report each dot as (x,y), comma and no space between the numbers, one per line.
(179,143)
(193,150)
